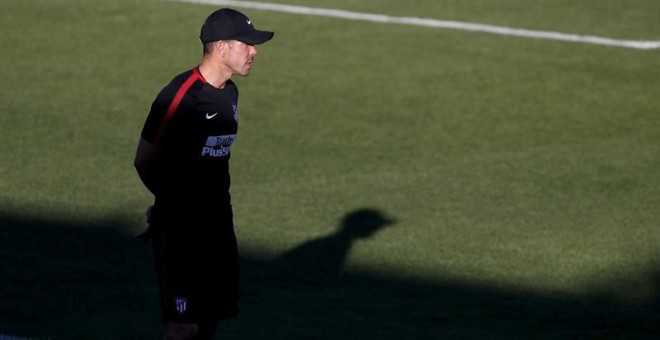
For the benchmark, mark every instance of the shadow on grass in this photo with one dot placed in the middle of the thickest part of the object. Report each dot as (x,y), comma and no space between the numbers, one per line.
(71,280)
(65,279)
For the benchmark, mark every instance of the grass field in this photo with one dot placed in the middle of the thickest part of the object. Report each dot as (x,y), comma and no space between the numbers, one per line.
(522,174)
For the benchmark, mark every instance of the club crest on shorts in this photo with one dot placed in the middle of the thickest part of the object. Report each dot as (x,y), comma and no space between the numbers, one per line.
(181,304)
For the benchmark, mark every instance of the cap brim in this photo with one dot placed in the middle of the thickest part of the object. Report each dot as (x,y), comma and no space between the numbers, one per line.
(255,37)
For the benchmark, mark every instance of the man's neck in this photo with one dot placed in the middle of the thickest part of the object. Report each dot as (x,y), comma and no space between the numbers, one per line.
(214,73)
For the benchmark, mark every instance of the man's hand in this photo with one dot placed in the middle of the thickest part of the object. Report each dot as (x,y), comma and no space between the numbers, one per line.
(147,234)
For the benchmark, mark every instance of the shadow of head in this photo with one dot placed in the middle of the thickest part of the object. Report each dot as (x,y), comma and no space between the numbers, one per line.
(363,223)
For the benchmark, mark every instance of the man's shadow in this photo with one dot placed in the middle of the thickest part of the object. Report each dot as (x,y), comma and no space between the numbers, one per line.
(307,293)
(317,261)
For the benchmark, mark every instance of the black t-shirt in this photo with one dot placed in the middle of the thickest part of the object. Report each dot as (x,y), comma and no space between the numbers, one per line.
(193,125)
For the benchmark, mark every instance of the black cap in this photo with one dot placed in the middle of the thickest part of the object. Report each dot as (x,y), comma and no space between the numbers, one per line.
(229,24)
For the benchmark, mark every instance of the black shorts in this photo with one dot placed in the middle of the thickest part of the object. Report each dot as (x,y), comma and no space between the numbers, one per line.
(198,274)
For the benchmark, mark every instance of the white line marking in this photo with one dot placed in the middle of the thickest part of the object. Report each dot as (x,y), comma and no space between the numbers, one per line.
(457,25)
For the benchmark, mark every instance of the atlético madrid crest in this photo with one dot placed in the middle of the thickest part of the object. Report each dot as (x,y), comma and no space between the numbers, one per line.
(181,304)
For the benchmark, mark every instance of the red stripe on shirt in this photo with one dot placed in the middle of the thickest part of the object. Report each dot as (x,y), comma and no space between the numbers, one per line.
(174,105)
(199,74)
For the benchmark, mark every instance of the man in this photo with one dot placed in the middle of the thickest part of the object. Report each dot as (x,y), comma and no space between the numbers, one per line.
(183,159)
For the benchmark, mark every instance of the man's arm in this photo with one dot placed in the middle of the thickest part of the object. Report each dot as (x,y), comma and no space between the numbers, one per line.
(145,158)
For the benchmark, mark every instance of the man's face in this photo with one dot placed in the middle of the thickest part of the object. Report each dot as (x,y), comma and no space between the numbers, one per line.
(240,56)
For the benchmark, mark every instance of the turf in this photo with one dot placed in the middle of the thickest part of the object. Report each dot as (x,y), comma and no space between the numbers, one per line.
(521,174)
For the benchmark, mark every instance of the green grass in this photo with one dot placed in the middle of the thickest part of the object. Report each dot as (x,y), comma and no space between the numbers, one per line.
(522,174)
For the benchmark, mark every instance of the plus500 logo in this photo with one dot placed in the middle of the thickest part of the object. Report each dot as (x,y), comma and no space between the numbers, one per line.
(218,146)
